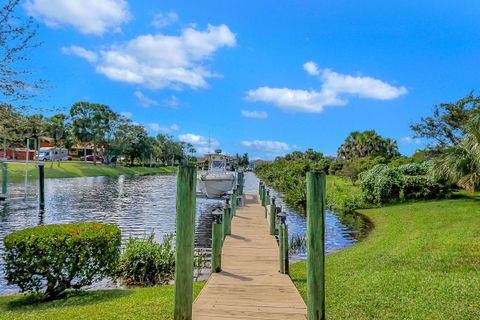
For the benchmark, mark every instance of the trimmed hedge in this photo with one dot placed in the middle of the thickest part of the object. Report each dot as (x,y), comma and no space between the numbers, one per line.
(61,256)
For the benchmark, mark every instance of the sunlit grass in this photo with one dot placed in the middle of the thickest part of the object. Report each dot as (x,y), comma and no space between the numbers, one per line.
(143,303)
(422,261)
(16,171)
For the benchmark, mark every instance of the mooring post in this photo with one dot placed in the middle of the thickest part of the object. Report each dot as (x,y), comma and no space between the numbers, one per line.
(4,178)
(273,216)
(281,240)
(267,202)
(217,240)
(262,194)
(226,218)
(41,185)
(286,248)
(315,245)
(234,203)
(185,231)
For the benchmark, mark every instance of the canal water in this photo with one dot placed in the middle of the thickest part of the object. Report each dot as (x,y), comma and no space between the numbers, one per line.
(138,205)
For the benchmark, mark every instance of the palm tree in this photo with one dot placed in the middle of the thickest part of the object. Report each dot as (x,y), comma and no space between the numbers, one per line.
(460,164)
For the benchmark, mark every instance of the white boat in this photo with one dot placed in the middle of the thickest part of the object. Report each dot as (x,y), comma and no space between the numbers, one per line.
(217,181)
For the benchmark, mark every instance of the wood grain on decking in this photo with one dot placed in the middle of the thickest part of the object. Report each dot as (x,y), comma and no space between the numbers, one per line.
(249,286)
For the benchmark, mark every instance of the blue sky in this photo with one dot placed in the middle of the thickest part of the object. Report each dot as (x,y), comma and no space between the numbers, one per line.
(305,73)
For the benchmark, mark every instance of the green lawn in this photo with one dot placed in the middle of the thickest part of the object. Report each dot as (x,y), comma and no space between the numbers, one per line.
(422,261)
(143,303)
(16,171)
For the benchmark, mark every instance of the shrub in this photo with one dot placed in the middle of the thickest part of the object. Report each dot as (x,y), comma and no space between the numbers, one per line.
(145,262)
(384,184)
(61,256)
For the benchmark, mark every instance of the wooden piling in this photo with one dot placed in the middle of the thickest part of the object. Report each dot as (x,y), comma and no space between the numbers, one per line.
(185,231)
(226,219)
(316,183)
(217,240)
(4,178)
(273,217)
(41,185)
(286,248)
(281,250)
(233,205)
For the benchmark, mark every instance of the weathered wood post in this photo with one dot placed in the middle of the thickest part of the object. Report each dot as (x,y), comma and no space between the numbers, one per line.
(286,248)
(262,195)
(4,178)
(281,241)
(315,245)
(227,211)
(233,204)
(273,216)
(41,185)
(185,231)
(267,202)
(217,240)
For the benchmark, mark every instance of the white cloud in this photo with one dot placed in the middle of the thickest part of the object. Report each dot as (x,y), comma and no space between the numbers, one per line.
(88,55)
(145,101)
(266,146)
(171,102)
(254,114)
(311,67)
(202,144)
(159,61)
(410,140)
(162,20)
(294,100)
(155,127)
(87,16)
(334,87)
(127,114)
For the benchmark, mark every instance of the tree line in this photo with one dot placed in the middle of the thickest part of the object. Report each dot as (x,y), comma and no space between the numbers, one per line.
(112,135)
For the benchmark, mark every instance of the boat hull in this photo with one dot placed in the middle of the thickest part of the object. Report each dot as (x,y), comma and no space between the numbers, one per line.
(216,185)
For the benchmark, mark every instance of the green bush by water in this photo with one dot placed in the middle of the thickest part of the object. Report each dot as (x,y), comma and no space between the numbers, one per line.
(146,262)
(57,257)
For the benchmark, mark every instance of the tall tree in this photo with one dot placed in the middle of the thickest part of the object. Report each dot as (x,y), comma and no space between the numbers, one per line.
(17,37)
(460,163)
(447,126)
(365,144)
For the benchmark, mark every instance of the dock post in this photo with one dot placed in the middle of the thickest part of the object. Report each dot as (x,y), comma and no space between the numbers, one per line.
(41,185)
(286,248)
(262,195)
(4,178)
(273,217)
(227,211)
(234,203)
(267,202)
(217,240)
(315,245)
(185,231)
(281,250)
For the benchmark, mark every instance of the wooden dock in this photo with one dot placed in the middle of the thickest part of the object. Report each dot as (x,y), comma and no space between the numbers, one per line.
(250,285)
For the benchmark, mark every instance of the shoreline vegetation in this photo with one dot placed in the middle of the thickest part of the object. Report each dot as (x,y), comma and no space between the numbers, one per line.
(16,171)
(421,259)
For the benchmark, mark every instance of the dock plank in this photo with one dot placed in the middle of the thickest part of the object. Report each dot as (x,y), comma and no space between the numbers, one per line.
(250,285)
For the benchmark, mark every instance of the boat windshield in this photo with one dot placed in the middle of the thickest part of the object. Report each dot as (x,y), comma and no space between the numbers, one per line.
(217,165)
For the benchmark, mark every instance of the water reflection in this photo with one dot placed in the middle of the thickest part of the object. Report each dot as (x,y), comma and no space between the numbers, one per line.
(139,205)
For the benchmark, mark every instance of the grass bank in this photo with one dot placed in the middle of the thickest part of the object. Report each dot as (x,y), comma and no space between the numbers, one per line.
(16,171)
(422,261)
(142,303)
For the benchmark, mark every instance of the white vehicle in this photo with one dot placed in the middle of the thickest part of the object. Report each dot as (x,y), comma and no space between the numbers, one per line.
(216,181)
(52,154)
